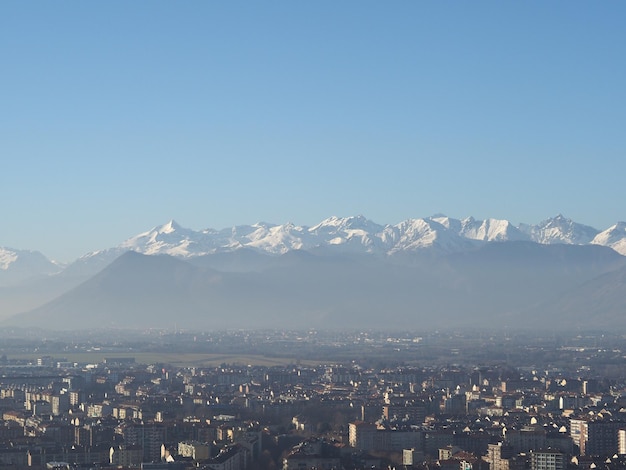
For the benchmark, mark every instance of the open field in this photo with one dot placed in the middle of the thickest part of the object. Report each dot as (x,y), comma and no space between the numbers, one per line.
(174,359)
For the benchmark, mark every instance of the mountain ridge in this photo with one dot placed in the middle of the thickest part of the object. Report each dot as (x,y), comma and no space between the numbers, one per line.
(352,232)
(510,283)
(439,233)
(430,237)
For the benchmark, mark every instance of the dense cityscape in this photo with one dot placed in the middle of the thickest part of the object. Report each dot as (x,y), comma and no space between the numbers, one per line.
(237,400)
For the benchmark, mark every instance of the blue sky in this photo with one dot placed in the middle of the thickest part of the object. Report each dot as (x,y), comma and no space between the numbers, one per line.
(118,116)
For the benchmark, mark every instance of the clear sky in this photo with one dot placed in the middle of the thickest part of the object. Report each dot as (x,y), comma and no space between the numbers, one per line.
(117,116)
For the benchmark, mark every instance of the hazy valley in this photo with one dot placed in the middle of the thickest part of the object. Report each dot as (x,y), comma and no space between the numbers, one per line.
(342,273)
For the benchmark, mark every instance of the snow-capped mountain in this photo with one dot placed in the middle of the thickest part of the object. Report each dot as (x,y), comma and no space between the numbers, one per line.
(345,234)
(464,257)
(438,234)
(614,237)
(351,233)
(424,234)
(17,265)
(7,258)
(560,230)
(172,239)
(491,230)
(274,239)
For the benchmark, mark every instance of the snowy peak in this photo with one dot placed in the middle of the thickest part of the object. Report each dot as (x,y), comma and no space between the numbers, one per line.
(448,222)
(426,234)
(439,234)
(614,237)
(355,233)
(560,229)
(335,224)
(169,227)
(435,235)
(7,258)
(169,238)
(18,265)
(11,258)
(275,239)
(612,234)
(491,230)
(415,233)
(487,230)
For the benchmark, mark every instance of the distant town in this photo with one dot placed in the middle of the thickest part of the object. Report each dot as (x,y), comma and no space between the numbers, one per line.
(238,400)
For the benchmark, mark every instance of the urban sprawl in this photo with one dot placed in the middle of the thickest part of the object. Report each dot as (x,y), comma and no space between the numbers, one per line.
(239,400)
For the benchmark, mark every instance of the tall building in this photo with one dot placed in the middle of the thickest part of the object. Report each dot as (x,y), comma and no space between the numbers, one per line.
(412,414)
(194,449)
(149,437)
(126,456)
(526,439)
(361,435)
(547,460)
(498,456)
(621,441)
(599,437)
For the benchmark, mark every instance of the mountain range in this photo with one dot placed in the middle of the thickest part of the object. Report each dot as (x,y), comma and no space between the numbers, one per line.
(342,272)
